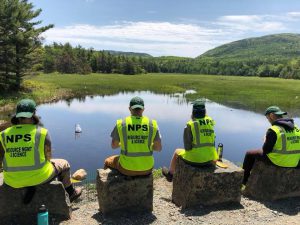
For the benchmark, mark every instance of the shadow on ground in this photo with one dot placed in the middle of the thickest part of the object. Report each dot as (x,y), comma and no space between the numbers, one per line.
(289,206)
(29,220)
(125,218)
(204,210)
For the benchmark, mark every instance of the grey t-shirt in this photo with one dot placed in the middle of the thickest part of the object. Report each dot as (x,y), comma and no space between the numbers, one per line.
(188,138)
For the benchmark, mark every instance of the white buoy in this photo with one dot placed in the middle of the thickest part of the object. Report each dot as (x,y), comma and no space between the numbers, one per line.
(78,128)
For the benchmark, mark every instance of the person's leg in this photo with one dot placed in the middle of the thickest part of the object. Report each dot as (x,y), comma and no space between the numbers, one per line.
(112,162)
(173,160)
(249,161)
(62,170)
(168,173)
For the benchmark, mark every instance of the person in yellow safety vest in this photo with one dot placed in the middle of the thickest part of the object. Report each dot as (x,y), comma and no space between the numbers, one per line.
(25,153)
(138,136)
(281,146)
(199,141)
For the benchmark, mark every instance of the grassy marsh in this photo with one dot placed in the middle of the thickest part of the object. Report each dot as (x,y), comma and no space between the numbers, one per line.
(252,93)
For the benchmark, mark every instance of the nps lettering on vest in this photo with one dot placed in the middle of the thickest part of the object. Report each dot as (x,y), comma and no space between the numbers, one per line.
(18,151)
(24,162)
(136,136)
(137,139)
(286,151)
(203,141)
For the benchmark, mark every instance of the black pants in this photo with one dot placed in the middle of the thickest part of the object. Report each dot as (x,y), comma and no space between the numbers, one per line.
(249,161)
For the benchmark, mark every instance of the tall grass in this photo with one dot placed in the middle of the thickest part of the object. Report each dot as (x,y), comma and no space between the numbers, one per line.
(252,93)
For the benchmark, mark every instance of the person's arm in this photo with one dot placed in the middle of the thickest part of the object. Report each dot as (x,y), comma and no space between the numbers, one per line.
(270,141)
(188,138)
(157,142)
(1,156)
(48,151)
(115,139)
(115,144)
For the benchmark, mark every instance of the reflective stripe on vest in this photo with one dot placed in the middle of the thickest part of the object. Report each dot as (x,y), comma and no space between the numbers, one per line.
(37,164)
(4,145)
(198,141)
(203,139)
(136,154)
(284,150)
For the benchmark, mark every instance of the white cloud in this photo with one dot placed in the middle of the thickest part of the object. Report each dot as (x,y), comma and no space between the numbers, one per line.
(294,14)
(256,23)
(166,38)
(158,38)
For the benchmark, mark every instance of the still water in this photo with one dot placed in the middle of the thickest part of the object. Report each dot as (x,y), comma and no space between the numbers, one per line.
(238,130)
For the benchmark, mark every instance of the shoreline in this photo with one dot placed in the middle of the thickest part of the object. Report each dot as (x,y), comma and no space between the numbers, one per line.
(248,93)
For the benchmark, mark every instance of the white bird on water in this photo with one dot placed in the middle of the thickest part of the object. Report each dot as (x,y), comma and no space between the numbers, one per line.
(78,128)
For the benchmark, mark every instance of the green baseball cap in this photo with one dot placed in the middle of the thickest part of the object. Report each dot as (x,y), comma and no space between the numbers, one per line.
(199,104)
(274,109)
(136,103)
(25,108)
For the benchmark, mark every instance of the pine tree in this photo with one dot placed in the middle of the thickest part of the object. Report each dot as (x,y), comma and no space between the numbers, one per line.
(19,37)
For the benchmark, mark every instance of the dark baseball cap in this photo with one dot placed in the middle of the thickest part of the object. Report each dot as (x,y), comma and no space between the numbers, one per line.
(199,104)
(274,109)
(25,108)
(136,103)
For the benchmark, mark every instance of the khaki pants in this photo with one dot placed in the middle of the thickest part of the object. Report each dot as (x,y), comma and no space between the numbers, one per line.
(113,162)
(61,172)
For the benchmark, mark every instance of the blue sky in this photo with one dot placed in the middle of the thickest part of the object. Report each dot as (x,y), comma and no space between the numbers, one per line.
(165,27)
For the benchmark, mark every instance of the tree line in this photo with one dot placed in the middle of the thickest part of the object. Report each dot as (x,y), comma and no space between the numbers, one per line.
(21,52)
(64,58)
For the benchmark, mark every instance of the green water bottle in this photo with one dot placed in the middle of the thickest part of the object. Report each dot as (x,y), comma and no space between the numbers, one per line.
(220,151)
(42,217)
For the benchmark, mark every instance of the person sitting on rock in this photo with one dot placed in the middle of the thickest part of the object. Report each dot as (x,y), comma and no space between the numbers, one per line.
(281,146)
(138,136)
(25,152)
(199,141)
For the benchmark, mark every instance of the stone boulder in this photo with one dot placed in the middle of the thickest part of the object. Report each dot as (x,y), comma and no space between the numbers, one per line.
(118,193)
(206,185)
(52,195)
(268,182)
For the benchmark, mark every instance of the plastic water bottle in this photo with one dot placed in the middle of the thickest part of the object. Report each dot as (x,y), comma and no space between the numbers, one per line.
(42,217)
(220,151)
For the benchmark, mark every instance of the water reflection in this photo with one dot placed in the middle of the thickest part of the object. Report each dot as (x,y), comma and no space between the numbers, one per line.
(238,130)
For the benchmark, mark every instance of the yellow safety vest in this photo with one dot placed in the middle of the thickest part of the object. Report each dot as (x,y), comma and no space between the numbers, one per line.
(203,134)
(136,136)
(24,162)
(286,151)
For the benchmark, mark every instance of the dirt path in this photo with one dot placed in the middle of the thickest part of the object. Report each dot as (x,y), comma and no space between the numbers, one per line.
(249,212)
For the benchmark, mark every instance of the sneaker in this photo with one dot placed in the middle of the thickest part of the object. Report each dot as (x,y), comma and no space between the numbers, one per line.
(165,171)
(76,194)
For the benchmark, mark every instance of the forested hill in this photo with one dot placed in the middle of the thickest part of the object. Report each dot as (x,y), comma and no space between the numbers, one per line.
(137,54)
(268,56)
(280,46)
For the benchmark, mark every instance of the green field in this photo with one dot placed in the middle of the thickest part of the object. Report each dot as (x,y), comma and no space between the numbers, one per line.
(252,93)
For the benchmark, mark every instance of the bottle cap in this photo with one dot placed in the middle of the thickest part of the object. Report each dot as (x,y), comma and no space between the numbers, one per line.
(43,209)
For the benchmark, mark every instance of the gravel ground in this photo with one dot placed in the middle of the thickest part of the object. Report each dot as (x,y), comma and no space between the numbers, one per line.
(248,212)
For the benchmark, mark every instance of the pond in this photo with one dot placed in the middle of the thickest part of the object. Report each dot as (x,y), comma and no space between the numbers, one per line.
(238,130)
